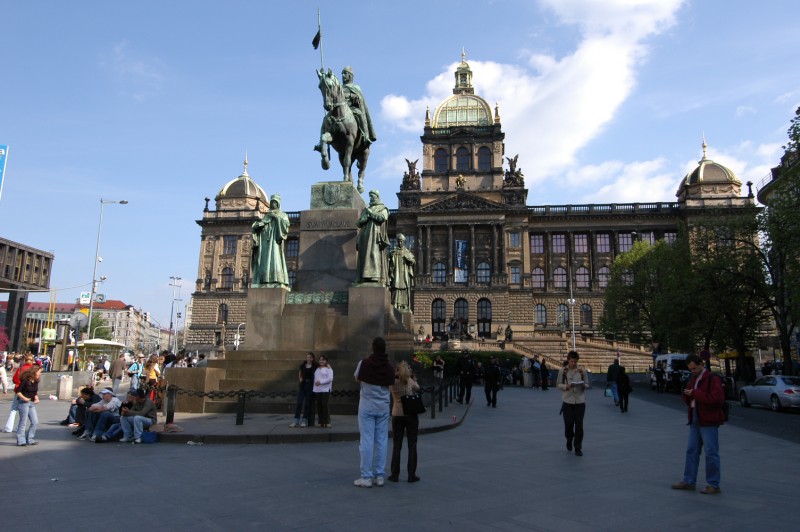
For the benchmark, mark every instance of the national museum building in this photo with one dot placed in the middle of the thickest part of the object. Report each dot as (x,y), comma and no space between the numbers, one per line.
(486,259)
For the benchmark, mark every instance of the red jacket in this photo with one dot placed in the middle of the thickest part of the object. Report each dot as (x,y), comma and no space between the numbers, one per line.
(709,397)
(20,371)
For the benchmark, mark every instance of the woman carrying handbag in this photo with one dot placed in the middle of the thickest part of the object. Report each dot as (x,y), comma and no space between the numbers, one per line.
(404,385)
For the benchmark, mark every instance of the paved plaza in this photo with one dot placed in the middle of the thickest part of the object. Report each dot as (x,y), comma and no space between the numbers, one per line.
(495,469)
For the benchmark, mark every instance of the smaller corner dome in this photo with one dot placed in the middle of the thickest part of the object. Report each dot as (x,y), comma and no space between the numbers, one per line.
(242,187)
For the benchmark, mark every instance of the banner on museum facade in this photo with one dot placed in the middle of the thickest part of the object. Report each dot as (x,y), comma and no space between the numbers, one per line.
(3,157)
(460,272)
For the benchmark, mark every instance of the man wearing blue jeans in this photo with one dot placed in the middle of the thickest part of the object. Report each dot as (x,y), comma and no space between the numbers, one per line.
(611,380)
(141,415)
(705,399)
(375,375)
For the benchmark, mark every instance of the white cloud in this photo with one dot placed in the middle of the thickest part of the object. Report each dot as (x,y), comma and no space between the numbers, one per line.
(551,107)
(744,110)
(139,77)
(638,181)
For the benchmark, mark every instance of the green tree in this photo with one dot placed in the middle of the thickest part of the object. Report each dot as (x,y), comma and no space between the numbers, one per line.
(100,327)
(648,298)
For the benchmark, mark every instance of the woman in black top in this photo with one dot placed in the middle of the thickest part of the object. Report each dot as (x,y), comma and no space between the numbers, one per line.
(28,395)
(305,393)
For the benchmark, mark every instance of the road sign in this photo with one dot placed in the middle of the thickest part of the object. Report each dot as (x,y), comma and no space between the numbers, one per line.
(86,297)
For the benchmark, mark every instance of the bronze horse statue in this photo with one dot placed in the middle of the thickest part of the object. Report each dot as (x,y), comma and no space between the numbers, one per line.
(340,130)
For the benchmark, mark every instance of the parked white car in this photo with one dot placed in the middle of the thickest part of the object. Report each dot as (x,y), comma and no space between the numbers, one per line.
(775,391)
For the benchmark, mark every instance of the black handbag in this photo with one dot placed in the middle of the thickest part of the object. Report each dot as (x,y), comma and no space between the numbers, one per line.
(412,404)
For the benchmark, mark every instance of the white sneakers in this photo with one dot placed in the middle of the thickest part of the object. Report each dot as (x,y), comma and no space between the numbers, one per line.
(367,482)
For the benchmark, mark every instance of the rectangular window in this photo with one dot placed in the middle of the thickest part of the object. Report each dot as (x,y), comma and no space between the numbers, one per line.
(581,243)
(514,240)
(649,237)
(559,243)
(670,237)
(625,242)
(603,243)
(229,244)
(292,247)
(515,275)
(537,244)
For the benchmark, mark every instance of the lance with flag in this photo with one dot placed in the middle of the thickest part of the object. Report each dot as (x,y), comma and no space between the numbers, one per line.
(317,41)
(3,157)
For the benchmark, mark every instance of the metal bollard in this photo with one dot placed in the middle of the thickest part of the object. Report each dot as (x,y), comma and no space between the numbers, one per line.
(240,408)
(172,394)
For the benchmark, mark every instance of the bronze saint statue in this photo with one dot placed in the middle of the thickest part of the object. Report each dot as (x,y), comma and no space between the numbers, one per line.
(347,126)
(371,264)
(268,264)
(401,274)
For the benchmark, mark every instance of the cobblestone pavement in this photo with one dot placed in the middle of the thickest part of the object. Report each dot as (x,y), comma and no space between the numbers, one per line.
(499,469)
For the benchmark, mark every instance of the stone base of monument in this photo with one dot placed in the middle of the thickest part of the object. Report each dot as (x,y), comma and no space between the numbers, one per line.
(324,314)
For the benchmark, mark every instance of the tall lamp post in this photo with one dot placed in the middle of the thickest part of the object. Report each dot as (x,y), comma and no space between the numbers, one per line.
(174,284)
(97,258)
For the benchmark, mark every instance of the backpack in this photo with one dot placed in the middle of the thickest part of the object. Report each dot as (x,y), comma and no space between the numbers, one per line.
(725,407)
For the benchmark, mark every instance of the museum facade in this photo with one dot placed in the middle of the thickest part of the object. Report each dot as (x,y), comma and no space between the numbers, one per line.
(485,259)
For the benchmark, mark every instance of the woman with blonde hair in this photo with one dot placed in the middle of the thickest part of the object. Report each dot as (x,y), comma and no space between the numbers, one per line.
(404,384)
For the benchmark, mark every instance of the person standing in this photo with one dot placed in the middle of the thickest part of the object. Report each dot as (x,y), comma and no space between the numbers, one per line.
(545,374)
(117,370)
(28,396)
(611,380)
(268,261)
(573,383)
(304,408)
(4,366)
(135,371)
(491,381)
(705,399)
(375,375)
(323,384)
(404,384)
(438,368)
(466,376)
(25,364)
(624,388)
(371,262)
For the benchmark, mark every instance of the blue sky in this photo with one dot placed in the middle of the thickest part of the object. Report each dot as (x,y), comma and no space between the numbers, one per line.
(156,102)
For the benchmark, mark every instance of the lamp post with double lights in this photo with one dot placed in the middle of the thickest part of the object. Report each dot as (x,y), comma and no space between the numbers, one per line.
(98,259)
(174,284)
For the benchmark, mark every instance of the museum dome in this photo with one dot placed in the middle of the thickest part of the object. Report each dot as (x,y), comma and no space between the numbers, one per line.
(463,108)
(710,172)
(242,187)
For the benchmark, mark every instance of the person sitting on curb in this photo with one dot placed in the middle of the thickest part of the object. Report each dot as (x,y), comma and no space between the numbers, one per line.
(101,415)
(138,418)
(114,432)
(76,417)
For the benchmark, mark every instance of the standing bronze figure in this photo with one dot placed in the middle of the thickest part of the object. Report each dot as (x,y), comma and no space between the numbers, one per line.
(371,264)
(268,264)
(401,274)
(347,126)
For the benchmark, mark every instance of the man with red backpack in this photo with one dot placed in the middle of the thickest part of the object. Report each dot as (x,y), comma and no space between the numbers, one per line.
(705,398)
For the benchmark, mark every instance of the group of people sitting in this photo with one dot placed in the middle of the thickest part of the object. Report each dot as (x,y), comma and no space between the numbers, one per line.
(104,418)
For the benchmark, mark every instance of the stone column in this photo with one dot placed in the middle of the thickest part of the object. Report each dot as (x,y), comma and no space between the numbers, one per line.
(450,252)
(428,254)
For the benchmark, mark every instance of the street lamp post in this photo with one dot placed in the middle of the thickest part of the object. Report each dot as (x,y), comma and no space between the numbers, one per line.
(174,284)
(97,259)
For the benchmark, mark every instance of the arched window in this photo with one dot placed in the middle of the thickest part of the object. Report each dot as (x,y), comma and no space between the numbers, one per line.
(484,159)
(537,278)
(603,275)
(562,315)
(222,313)
(582,277)
(440,161)
(586,315)
(438,317)
(462,314)
(560,277)
(540,314)
(484,318)
(226,281)
(484,272)
(462,159)
(438,272)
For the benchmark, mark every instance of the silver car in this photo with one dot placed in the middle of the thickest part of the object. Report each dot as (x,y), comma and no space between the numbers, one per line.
(774,391)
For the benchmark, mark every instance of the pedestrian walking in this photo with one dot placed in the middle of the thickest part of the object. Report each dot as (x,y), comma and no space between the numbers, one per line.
(403,423)
(573,383)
